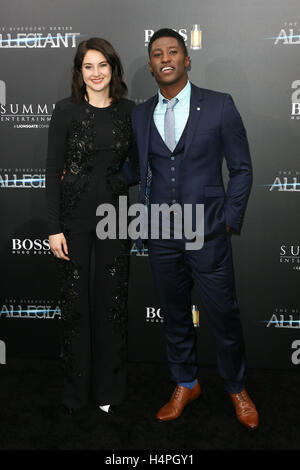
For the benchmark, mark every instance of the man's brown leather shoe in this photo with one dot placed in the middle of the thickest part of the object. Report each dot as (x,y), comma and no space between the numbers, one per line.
(179,399)
(245,409)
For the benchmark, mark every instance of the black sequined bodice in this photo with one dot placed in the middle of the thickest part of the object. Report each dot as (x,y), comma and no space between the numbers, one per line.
(95,144)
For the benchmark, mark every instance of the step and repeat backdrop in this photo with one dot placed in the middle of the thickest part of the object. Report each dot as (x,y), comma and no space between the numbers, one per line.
(249,49)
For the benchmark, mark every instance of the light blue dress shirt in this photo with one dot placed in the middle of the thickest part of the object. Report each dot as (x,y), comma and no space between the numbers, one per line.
(181,112)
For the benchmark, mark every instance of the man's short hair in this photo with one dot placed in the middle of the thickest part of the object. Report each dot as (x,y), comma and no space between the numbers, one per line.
(166,32)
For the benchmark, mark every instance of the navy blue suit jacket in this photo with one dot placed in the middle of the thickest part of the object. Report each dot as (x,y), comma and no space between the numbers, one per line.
(214,130)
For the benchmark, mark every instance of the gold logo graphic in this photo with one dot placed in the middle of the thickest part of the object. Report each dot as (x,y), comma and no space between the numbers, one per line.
(195,313)
(196,37)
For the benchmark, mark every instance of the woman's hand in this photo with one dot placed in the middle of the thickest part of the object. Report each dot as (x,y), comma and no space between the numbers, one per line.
(58,246)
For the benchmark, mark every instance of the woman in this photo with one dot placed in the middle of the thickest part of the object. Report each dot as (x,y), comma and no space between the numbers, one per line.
(89,140)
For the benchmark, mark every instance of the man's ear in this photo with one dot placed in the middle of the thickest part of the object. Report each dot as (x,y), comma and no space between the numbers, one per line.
(150,68)
(187,61)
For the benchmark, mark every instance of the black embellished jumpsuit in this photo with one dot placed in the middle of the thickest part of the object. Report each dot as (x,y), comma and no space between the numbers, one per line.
(89,146)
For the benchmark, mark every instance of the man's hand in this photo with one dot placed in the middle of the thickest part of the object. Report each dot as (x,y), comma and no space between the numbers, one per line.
(58,246)
(228,229)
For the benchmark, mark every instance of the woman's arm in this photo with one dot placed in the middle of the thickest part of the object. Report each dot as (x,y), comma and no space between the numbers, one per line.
(57,140)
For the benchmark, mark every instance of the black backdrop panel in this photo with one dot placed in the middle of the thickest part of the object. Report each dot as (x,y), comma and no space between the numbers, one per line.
(249,49)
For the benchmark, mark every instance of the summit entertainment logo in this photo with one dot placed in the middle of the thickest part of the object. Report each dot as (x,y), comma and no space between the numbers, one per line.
(24,115)
(37,37)
(290,255)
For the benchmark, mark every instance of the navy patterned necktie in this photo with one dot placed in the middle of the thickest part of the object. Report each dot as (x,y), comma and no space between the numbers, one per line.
(170,123)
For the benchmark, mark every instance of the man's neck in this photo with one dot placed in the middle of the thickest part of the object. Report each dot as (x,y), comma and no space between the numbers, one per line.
(170,91)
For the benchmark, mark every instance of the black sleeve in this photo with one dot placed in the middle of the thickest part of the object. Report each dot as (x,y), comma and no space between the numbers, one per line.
(57,140)
(130,169)
(120,181)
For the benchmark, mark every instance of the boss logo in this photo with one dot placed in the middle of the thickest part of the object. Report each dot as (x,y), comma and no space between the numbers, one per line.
(28,245)
(149,33)
(154,315)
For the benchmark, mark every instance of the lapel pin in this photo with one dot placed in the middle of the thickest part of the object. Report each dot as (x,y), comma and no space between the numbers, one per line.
(198,109)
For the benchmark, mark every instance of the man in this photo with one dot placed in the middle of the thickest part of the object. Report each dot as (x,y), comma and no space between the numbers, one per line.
(181,136)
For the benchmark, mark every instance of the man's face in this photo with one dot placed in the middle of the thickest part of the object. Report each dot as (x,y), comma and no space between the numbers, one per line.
(167,61)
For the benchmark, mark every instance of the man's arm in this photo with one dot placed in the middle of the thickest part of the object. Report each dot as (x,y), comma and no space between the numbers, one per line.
(237,155)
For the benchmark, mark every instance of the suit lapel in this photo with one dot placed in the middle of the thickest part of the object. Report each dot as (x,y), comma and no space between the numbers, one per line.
(195,114)
(145,120)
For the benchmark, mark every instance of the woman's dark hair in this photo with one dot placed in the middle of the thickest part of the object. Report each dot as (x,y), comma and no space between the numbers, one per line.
(117,87)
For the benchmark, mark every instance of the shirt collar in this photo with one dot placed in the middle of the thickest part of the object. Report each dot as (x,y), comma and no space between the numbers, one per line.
(183,96)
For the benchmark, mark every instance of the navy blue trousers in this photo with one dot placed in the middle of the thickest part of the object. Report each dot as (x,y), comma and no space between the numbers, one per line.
(175,271)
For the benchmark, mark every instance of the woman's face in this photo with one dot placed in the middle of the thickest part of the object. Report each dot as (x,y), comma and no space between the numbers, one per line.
(96,71)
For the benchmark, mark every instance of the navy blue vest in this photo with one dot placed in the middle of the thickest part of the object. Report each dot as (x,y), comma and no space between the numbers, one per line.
(165,167)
